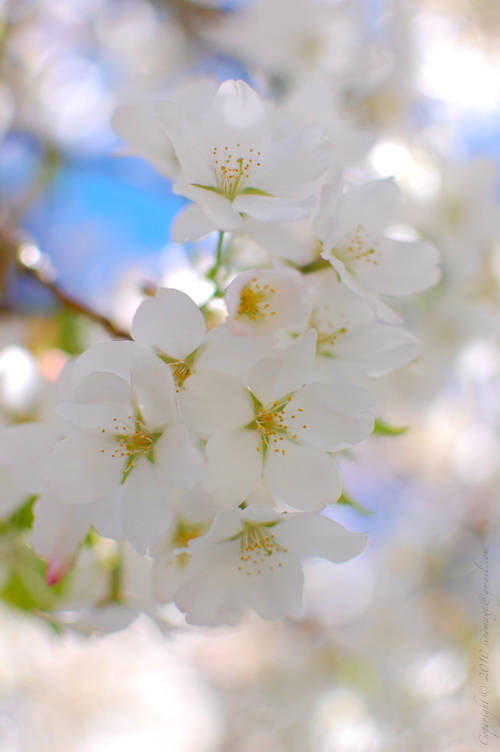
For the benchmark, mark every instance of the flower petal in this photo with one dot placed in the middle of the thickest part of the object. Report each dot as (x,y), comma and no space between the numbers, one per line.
(371,204)
(24,449)
(279,375)
(404,268)
(170,323)
(154,391)
(303,477)
(145,511)
(212,399)
(218,209)
(317,535)
(331,416)
(191,223)
(378,349)
(234,465)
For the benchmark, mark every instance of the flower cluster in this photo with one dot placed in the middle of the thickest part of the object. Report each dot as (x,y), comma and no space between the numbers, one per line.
(209,444)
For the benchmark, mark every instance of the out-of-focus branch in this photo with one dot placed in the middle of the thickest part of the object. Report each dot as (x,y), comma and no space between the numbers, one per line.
(31,262)
(74,305)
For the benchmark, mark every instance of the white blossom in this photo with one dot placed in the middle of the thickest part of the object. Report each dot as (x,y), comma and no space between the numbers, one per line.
(350,227)
(126,441)
(283,429)
(261,301)
(253,558)
(350,339)
(232,165)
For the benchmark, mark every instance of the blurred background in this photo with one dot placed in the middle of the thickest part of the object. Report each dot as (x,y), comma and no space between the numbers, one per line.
(387,656)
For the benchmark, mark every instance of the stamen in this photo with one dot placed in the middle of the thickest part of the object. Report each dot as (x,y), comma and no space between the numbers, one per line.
(254,301)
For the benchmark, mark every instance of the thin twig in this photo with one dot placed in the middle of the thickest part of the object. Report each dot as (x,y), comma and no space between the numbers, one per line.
(75,305)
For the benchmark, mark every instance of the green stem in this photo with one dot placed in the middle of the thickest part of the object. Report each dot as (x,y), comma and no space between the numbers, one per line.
(218,253)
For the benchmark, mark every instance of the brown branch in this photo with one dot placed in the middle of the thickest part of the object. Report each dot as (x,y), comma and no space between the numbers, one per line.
(74,305)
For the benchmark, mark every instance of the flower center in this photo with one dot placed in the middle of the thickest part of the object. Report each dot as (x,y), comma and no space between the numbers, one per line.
(272,422)
(186,531)
(180,371)
(259,548)
(328,334)
(360,246)
(254,301)
(182,534)
(133,442)
(233,169)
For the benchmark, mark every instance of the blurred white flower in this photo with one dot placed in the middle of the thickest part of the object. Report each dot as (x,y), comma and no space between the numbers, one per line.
(252,558)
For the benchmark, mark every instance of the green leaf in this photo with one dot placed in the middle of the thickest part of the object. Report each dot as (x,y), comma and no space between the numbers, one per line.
(384,429)
(344,499)
(21,519)
(26,588)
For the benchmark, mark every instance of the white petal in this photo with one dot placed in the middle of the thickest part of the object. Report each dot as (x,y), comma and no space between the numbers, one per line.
(317,535)
(182,132)
(112,357)
(276,593)
(353,283)
(213,400)
(294,162)
(404,268)
(145,511)
(336,415)
(154,391)
(176,459)
(279,240)
(234,465)
(224,351)
(211,597)
(279,375)
(58,527)
(12,497)
(137,124)
(379,348)
(100,416)
(102,387)
(372,204)
(272,209)
(80,471)
(235,115)
(258,513)
(326,225)
(24,448)
(218,209)
(191,224)
(168,576)
(303,477)
(171,323)
(105,515)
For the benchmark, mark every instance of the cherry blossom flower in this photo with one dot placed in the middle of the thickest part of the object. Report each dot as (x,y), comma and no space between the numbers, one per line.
(350,227)
(172,326)
(232,165)
(261,301)
(253,558)
(349,337)
(283,429)
(138,123)
(191,518)
(126,442)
